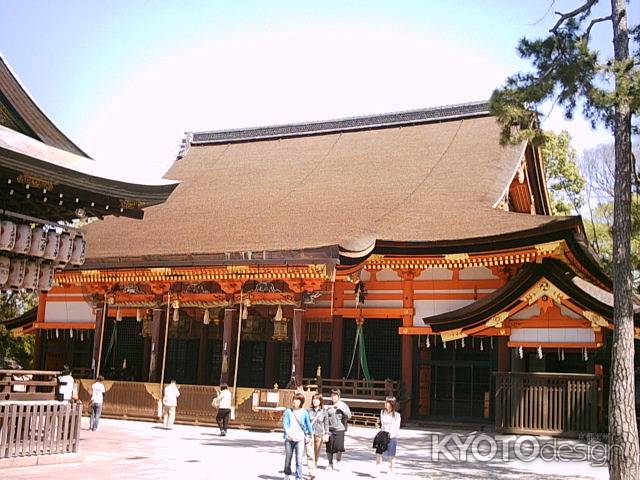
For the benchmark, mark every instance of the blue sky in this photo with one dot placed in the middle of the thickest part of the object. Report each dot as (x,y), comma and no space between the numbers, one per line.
(126,78)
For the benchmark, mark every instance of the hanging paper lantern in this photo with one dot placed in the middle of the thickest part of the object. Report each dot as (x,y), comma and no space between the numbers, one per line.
(45,281)
(118,315)
(23,239)
(278,316)
(64,251)
(31,275)
(78,253)
(16,272)
(7,235)
(53,245)
(38,242)
(5,264)
(176,314)
(206,319)
(245,313)
(138,315)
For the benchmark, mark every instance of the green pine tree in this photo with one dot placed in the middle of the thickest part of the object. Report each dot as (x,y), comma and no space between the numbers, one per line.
(569,72)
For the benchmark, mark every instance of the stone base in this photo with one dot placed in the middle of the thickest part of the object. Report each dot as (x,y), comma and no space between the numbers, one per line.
(34,460)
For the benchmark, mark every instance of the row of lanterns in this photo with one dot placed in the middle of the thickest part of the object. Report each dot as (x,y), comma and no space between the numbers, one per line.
(46,244)
(23,273)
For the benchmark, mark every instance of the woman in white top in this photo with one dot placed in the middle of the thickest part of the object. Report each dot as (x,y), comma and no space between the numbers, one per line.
(390,422)
(223,402)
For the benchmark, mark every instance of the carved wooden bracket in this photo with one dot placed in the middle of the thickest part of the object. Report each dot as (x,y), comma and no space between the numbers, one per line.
(230,286)
(408,273)
(298,285)
(159,288)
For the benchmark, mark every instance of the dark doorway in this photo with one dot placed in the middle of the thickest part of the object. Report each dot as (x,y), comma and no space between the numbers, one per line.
(455,383)
(317,354)
(383,347)
(251,363)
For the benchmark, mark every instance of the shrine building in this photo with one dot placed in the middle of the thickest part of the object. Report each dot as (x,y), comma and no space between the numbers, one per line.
(410,247)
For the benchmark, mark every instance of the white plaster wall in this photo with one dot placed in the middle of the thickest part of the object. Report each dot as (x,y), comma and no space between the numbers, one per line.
(68,312)
(387,274)
(427,308)
(435,274)
(476,273)
(556,335)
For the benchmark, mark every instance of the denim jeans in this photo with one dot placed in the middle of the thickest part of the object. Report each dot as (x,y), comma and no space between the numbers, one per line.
(96,411)
(290,447)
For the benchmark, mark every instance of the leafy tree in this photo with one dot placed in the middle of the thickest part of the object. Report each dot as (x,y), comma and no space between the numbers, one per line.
(13,348)
(569,72)
(564,180)
(598,165)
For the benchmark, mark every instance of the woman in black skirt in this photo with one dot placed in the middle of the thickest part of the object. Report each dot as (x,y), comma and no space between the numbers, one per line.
(338,413)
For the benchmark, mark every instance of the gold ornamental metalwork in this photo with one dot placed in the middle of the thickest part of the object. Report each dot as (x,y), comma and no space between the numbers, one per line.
(454,334)
(497,320)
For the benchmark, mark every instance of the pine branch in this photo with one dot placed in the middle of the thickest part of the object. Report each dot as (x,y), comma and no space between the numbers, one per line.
(587,32)
(585,8)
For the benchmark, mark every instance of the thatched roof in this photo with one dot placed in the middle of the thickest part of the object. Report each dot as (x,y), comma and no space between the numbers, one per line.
(422,177)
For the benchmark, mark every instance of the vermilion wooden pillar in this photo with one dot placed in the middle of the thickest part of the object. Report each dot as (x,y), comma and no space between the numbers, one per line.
(227,345)
(337,331)
(407,373)
(157,334)
(503,354)
(202,354)
(97,339)
(407,340)
(297,347)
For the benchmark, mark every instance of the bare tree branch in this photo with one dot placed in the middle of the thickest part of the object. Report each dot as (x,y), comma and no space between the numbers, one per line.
(585,8)
(545,14)
(587,32)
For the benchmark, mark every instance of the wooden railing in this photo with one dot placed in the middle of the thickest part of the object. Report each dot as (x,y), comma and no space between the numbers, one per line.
(28,385)
(39,428)
(546,403)
(370,389)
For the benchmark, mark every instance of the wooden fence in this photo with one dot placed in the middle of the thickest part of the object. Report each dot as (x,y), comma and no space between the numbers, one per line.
(28,385)
(138,400)
(365,394)
(39,428)
(546,403)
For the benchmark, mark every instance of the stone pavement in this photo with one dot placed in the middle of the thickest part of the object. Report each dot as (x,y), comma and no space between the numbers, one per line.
(140,450)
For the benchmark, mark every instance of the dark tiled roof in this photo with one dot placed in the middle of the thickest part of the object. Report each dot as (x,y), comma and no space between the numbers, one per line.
(409,117)
(27,110)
